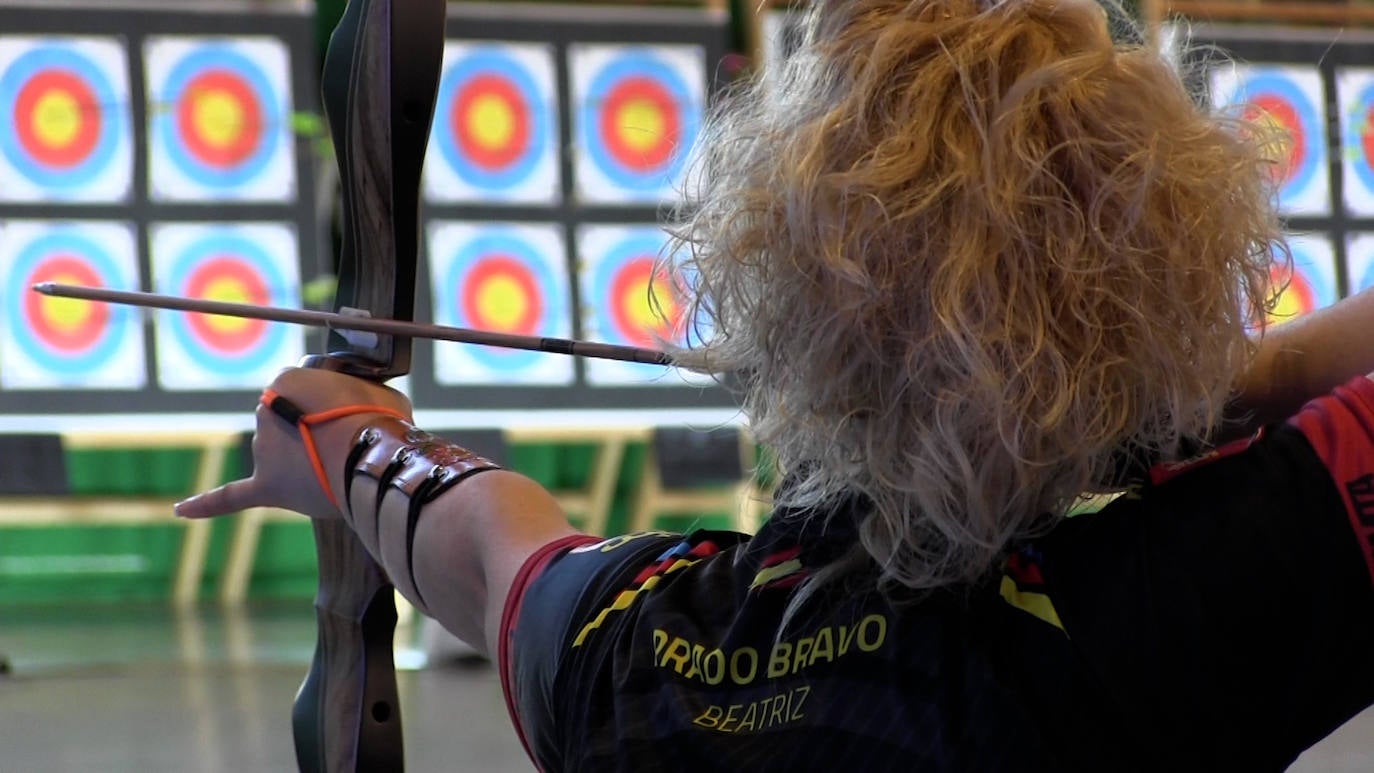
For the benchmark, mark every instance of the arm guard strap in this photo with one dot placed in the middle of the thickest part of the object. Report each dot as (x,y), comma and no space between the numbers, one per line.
(402,458)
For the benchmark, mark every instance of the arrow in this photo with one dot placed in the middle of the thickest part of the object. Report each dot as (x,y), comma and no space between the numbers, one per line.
(362,324)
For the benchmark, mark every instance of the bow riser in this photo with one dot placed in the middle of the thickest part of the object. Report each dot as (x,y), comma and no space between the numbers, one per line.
(380,102)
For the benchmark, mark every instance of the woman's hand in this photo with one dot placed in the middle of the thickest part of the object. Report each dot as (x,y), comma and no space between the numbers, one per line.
(283,475)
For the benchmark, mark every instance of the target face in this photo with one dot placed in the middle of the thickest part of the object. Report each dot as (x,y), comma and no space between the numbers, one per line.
(506,279)
(637,112)
(243,263)
(1359,262)
(1355,90)
(60,342)
(1312,282)
(495,133)
(616,282)
(69,132)
(219,120)
(1289,99)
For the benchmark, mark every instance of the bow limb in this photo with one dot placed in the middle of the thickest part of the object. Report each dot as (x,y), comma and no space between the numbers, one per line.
(380,80)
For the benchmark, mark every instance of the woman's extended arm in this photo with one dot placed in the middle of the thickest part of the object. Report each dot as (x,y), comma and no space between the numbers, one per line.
(466,544)
(1305,358)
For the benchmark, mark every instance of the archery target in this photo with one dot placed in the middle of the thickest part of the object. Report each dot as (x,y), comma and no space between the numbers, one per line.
(1292,100)
(503,278)
(1359,262)
(1312,281)
(51,342)
(219,119)
(637,113)
(241,263)
(1355,91)
(495,133)
(616,279)
(69,137)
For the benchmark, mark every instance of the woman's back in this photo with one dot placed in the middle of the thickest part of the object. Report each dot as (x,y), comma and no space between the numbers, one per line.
(1125,639)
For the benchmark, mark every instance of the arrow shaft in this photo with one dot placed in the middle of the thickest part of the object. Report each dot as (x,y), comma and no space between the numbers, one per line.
(335,321)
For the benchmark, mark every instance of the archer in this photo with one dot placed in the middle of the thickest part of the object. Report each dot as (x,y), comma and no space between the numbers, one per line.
(966,256)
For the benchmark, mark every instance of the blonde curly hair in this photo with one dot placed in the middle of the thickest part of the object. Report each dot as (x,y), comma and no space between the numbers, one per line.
(961,254)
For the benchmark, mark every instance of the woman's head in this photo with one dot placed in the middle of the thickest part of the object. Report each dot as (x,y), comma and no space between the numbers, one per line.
(963,252)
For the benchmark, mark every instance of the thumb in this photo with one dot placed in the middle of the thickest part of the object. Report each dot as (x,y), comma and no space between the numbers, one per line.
(230,498)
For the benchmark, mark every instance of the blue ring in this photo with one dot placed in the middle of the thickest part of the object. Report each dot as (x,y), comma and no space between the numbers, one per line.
(483,61)
(67,240)
(590,112)
(34,62)
(1354,141)
(165,124)
(213,243)
(505,242)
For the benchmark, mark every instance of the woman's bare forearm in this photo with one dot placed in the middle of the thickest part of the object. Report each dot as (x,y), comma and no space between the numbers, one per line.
(1305,358)
(471,544)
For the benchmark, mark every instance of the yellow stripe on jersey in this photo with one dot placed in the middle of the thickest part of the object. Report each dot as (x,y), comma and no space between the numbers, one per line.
(625,598)
(1037,604)
(771,573)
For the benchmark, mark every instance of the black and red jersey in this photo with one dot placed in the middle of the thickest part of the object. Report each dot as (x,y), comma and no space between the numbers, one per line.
(1219,615)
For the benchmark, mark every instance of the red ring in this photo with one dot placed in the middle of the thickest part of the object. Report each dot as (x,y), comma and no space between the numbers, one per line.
(1284,113)
(514,146)
(218,269)
(250,132)
(80,146)
(502,267)
(635,277)
(645,89)
(71,270)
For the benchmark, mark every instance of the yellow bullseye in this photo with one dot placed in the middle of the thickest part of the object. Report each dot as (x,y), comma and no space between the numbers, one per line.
(1288,306)
(491,122)
(56,118)
(218,118)
(502,303)
(640,312)
(65,314)
(230,291)
(642,124)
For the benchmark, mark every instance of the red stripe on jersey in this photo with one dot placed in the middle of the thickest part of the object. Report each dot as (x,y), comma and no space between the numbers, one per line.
(1170,470)
(510,613)
(647,572)
(782,556)
(1023,570)
(1340,426)
(703,549)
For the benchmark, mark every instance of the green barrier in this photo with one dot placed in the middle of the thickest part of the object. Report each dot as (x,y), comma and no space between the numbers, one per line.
(51,565)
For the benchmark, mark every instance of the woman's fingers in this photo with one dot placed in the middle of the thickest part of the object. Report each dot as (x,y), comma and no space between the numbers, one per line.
(232,497)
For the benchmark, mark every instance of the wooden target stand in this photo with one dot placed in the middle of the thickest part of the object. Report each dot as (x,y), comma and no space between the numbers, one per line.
(35,491)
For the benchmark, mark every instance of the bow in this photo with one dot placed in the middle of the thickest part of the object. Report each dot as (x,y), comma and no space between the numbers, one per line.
(380,79)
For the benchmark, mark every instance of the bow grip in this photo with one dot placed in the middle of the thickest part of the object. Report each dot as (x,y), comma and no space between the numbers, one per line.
(347,714)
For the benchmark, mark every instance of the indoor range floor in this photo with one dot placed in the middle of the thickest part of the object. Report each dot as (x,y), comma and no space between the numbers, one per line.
(132,689)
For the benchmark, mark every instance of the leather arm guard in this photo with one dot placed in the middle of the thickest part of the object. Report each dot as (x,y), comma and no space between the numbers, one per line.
(416,465)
